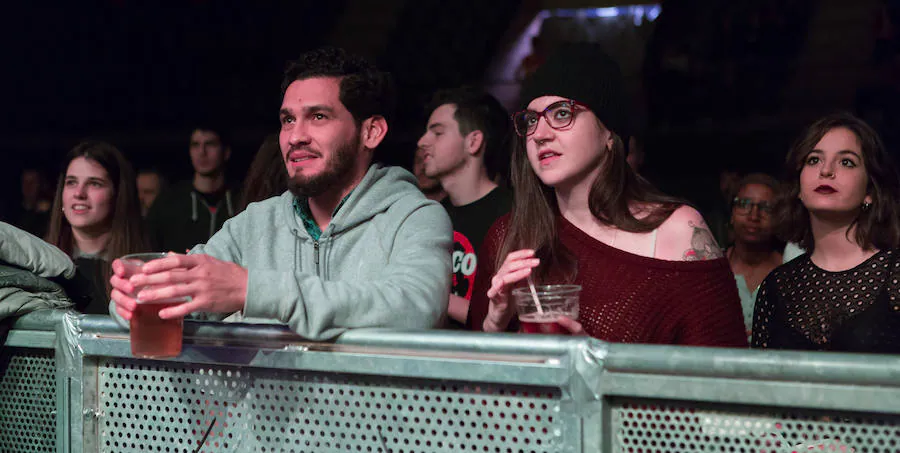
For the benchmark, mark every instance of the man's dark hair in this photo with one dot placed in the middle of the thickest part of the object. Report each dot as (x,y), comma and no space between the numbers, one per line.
(479,111)
(364,90)
(217,128)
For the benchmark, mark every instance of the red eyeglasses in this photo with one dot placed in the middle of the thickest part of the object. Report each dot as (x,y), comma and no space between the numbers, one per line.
(559,115)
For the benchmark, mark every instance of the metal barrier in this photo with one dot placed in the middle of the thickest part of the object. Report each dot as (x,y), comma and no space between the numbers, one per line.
(260,388)
(676,399)
(28,383)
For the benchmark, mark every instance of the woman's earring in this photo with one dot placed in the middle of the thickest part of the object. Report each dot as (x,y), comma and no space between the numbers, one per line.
(866,206)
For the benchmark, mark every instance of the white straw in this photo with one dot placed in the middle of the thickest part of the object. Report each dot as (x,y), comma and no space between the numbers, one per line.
(537,302)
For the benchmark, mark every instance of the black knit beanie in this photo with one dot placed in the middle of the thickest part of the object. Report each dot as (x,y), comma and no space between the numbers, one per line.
(585,73)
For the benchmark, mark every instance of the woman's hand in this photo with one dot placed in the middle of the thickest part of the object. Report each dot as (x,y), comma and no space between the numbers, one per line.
(572,326)
(516,267)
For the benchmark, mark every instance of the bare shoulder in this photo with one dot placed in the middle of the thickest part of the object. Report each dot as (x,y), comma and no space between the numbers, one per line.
(684,236)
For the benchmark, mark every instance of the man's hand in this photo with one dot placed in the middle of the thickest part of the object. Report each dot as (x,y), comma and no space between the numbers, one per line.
(121,290)
(213,285)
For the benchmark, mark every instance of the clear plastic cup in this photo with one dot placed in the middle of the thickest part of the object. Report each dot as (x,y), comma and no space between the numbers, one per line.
(554,301)
(152,336)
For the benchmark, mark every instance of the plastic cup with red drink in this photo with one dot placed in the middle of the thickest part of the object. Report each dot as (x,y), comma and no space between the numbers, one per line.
(539,310)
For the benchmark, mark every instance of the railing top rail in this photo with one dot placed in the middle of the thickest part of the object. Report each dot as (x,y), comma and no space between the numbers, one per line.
(41,320)
(837,368)
(265,335)
(801,366)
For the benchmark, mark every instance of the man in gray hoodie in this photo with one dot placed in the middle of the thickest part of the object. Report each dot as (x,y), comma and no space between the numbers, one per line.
(350,245)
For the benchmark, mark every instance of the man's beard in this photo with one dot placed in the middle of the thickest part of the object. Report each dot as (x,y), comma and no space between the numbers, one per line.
(338,169)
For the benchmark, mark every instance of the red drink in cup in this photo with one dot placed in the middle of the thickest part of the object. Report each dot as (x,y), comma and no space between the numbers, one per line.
(552,302)
(536,323)
(152,336)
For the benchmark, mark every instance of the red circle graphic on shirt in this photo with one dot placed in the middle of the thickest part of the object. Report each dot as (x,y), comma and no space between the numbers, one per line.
(464,265)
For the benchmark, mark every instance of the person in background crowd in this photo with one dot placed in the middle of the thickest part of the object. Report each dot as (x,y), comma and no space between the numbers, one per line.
(841,205)
(532,61)
(755,251)
(96,215)
(352,244)
(267,176)
(649,268)
(149,183)
(635,157)
(466,132)
(190,212)
(34,211)
(718,214)
(431,187)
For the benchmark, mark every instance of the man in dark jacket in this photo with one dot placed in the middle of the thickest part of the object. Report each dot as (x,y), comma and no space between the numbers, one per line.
(190,212)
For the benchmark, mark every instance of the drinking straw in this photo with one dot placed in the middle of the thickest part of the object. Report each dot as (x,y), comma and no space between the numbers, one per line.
(534,296)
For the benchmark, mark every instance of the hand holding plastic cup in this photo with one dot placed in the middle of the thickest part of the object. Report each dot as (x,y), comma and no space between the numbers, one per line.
(152,336)
(539,307)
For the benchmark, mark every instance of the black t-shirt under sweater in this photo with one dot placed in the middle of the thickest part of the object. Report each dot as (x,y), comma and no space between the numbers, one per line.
(470,225)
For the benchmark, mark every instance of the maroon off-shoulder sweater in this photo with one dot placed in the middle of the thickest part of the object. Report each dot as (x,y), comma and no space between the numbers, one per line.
(629,298)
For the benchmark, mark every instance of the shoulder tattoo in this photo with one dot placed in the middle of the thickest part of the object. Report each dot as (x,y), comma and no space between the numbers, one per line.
(703,244)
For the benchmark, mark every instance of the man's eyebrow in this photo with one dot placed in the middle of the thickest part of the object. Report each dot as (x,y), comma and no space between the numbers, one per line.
(435,125)
(318,108)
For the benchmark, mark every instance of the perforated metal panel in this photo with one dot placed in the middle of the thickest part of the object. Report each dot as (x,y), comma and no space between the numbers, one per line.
(27,400)
(148,407)
(647,426)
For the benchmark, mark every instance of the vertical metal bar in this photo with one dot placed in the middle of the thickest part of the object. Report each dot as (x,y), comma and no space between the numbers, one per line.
(63,441)
(92,413)
(76,404)
(69,358)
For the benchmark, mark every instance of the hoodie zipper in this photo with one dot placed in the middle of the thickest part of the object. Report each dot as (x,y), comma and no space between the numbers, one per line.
(316,256)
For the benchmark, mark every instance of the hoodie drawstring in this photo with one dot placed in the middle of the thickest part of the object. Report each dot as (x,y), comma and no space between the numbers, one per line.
(297,263)
(228,203)
(193,206)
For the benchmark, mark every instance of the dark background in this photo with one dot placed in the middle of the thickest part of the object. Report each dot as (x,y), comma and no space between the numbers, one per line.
(722,84)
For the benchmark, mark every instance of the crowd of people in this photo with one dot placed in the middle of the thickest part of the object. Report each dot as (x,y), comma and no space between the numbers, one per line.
(323,239)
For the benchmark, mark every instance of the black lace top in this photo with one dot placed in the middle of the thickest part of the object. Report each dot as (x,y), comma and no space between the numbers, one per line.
(801,306)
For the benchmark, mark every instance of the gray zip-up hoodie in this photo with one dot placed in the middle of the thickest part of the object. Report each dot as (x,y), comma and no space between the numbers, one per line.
(383,261)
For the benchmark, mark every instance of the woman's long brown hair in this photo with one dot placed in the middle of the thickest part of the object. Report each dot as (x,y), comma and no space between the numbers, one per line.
(617,188)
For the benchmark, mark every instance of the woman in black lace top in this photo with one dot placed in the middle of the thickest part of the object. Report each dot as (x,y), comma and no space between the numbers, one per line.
(842,208)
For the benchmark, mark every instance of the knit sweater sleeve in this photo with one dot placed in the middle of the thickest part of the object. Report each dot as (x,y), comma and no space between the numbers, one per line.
(487,258)
(710,312)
